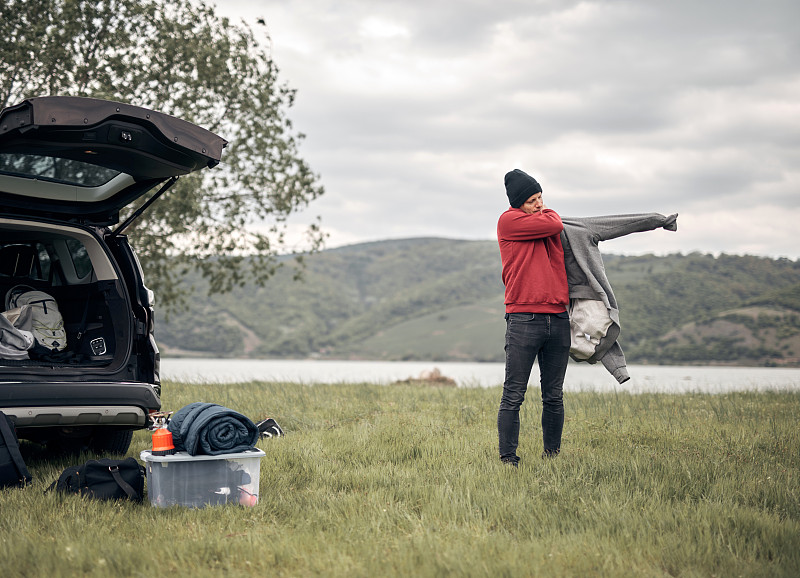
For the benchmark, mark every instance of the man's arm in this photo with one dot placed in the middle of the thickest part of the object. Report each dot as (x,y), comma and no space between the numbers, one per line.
(520,226)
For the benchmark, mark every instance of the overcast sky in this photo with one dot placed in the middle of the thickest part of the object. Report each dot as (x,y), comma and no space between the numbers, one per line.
(414,111)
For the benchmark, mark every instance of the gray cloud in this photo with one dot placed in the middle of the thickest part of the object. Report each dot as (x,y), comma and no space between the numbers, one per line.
(413,115)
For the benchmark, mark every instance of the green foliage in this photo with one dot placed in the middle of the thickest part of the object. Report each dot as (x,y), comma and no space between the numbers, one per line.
(788,297)
(204,328)
(405,481)
(692,289)
(178,57)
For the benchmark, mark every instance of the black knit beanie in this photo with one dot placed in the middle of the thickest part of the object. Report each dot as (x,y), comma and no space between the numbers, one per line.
(520,186)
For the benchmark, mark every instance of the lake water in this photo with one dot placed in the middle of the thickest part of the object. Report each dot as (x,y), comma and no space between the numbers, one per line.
(580,376)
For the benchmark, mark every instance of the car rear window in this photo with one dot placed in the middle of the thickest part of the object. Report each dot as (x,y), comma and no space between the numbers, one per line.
(55,169)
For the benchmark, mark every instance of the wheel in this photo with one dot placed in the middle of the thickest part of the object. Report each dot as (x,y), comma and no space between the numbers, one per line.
(111,441)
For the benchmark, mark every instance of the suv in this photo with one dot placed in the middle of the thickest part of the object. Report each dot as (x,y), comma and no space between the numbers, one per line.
(67,167)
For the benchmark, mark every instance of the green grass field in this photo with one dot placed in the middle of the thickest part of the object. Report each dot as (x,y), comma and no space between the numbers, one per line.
(405,481)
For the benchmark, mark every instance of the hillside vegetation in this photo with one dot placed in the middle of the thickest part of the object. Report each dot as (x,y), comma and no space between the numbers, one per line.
(439,299)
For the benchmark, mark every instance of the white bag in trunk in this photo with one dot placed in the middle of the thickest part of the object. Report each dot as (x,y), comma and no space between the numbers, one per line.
(38,314)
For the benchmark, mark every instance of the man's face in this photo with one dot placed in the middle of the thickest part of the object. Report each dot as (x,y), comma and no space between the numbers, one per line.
(534,204)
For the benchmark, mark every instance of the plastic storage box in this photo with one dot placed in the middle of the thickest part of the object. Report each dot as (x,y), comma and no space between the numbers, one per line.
(198,481)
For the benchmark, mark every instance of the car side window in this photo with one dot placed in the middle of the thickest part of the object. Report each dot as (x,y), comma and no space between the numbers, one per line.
(44,261)
(80,258)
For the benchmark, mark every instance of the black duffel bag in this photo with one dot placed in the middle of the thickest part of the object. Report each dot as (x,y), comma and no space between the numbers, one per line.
(103,479)
(13,471)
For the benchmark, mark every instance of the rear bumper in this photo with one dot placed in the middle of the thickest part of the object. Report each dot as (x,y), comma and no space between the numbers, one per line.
(72,416)
(78,404)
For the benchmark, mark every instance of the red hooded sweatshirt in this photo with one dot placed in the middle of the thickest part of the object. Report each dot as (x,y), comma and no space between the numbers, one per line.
(533,261)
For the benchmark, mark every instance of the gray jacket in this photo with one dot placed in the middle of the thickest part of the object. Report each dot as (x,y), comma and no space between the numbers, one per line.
(15,341)
(595,329)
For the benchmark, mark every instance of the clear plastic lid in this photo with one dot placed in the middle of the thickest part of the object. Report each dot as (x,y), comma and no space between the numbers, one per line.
(147,456)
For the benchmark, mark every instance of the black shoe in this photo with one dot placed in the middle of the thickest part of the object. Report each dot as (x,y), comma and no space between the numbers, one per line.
(269,428)
(550,454)
(511,461)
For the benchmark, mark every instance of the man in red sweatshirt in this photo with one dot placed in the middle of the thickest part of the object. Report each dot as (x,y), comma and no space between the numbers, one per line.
(537,323)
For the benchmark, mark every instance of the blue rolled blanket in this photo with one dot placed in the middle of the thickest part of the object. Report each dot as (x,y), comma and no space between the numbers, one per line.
(208,428)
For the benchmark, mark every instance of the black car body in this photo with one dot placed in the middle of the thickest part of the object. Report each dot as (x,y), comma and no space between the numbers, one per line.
(67,167)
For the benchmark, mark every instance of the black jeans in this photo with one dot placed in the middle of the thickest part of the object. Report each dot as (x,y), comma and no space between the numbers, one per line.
(532,336)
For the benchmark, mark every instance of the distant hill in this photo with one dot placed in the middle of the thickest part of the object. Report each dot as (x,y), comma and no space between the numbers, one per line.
(439,299)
